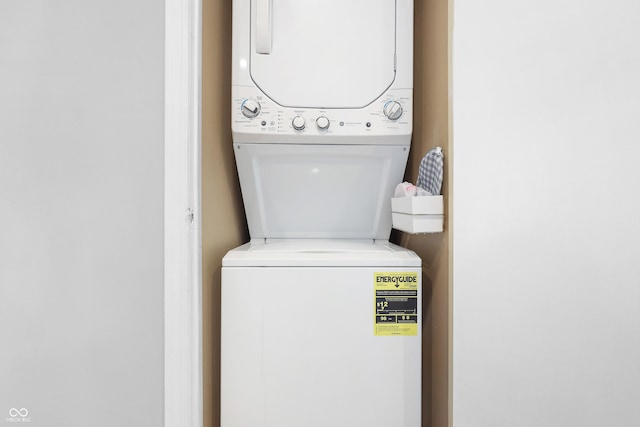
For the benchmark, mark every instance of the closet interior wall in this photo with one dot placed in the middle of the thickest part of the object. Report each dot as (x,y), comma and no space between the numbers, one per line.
(431,128)
(223,222)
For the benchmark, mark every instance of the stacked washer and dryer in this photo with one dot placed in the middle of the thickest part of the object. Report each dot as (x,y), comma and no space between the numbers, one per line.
(321,315)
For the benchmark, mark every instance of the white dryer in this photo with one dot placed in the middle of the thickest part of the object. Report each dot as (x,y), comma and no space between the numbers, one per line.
(320,313)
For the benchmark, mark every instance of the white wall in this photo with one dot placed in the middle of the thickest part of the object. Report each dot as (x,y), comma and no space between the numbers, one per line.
(546,225)
(81,212)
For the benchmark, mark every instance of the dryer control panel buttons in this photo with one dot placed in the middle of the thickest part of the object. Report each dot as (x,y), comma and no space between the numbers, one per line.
(250,108)
(298,123)
(258,119)
(392,110)
(322,122)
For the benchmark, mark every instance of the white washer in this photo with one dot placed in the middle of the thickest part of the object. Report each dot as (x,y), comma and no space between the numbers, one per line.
(298,341)
(320,313)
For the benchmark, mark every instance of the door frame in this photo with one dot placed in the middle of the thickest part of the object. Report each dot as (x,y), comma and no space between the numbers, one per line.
(183,403)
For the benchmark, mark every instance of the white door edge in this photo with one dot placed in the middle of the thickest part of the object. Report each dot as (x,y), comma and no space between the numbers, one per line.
(183,241)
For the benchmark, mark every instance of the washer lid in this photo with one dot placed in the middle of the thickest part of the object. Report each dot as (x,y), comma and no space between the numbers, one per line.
(320,253)
(323,54)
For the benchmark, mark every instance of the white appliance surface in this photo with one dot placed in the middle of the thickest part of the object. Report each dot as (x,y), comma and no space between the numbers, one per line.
(319,191)
(330,72)
(324,54)
(298,345)
(326,87)
(368,125)
(317,253)
(321,122)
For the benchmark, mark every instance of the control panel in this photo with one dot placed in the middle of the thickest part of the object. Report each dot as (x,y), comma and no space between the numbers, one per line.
(255,114)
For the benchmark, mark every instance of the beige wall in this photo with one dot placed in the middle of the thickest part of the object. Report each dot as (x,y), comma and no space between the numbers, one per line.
(431,129)
(223,216)
(224,226)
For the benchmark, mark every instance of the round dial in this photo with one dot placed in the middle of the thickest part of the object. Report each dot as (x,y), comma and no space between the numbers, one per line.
(250,108)
(298,123)
(392,110)
(322,122)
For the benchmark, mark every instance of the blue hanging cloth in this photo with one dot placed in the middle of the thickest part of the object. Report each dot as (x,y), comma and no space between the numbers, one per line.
(431,171)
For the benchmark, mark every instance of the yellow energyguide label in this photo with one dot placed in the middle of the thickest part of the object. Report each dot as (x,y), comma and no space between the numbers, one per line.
(395,304)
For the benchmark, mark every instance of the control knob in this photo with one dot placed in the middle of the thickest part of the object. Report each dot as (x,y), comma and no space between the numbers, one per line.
(250,108)
(298,123)
(322,122)
(392,110)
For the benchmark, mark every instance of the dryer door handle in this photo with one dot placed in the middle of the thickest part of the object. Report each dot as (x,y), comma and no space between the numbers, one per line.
(263,26)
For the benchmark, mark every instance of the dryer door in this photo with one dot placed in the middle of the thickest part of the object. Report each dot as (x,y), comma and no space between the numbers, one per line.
(323,54)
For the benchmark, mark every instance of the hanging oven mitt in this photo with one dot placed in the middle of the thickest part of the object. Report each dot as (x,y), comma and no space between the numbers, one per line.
(430,172)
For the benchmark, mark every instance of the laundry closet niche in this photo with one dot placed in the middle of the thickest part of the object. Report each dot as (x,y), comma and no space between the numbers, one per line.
(224,224)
